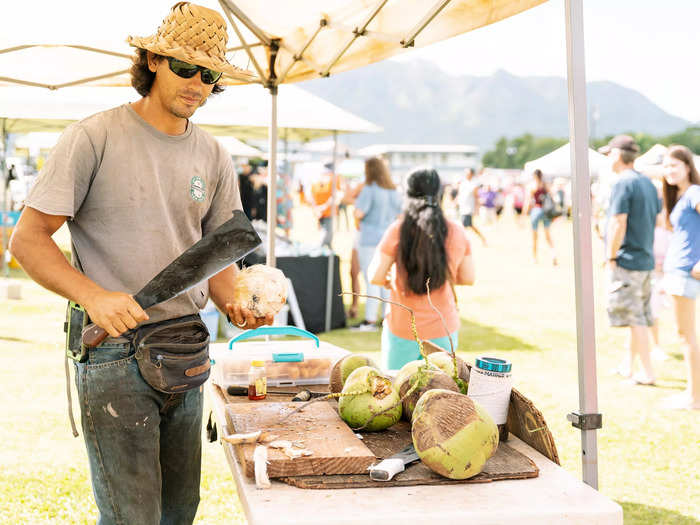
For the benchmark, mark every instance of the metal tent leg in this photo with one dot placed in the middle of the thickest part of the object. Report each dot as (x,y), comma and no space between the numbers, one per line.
(272,183)
(331,256)
(588,420)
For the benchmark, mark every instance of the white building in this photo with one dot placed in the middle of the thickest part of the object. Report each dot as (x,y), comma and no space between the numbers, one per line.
(449,160)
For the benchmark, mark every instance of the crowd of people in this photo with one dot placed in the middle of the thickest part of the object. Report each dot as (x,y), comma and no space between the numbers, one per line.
(651,235)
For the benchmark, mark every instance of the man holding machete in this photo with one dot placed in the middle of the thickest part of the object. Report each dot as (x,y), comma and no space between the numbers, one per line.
(138,185)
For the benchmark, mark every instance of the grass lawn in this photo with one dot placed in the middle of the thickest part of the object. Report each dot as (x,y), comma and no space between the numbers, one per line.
(648,457)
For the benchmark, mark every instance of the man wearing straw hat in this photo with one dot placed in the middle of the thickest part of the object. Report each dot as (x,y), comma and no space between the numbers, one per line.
(137,185)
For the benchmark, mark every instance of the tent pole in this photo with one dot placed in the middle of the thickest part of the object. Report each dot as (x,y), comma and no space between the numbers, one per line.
(587,419)
(3,170)
(272,183)
(331,256)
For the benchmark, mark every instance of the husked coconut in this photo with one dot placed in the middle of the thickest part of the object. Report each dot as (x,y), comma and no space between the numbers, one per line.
(365,397)
(453,434)
(344,367)
(261,289)
(427,379)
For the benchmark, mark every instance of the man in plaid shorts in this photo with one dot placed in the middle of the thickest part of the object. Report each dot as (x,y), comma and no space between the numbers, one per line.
(634,205)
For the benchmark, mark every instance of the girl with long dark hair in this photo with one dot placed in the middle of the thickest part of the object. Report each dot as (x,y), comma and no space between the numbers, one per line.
(681,191)
(422,245)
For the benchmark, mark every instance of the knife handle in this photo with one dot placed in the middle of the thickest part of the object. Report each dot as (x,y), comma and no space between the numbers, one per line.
(386,469)
(93,335)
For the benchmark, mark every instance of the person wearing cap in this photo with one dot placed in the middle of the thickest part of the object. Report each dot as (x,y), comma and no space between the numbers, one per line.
(631,218)
(137,185)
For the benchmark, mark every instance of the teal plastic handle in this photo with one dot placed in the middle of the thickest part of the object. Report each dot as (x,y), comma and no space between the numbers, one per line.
(273,330)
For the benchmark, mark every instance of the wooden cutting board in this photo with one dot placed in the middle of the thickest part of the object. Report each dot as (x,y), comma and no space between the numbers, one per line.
(507,463)
(336,449)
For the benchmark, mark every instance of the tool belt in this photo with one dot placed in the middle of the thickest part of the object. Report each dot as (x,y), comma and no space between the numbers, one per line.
(173,355)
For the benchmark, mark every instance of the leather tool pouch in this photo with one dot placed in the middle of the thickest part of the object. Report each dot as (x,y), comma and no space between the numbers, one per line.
(173,356)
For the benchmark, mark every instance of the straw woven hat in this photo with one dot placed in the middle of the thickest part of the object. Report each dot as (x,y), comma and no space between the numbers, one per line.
(194,34)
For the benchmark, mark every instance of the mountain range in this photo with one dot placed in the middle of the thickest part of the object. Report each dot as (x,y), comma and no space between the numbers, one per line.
(416,102)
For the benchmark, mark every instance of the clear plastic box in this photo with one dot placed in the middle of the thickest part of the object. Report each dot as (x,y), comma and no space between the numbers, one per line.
(287,363)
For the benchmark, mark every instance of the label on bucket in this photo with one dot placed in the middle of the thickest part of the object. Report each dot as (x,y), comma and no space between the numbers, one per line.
(492,391)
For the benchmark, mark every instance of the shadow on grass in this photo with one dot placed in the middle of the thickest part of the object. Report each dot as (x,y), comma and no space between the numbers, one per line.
(474,337)
(638,514)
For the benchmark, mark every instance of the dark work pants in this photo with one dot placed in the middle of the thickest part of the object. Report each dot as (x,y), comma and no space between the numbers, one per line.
(144,446)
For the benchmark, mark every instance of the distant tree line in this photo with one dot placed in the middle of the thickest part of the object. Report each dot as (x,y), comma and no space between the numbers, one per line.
(514,153)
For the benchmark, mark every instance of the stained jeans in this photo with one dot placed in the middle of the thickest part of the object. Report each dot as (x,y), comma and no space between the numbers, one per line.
(144,446)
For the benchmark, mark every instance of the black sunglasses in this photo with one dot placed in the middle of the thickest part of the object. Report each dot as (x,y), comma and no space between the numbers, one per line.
(186,70)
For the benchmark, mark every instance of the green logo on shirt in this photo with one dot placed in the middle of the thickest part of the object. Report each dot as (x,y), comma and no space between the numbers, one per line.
(197,188)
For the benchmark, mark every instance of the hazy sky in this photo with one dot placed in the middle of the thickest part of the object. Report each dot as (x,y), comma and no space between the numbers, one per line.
(650,46)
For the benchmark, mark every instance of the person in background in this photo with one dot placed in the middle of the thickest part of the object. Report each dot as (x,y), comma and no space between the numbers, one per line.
(681,189)
(518,193)
(634,205)
(376,207)
(422,245)
(487,199)
(534,207)
(285,203)
(321,193)
(659,298)
(468,201)
(351,193)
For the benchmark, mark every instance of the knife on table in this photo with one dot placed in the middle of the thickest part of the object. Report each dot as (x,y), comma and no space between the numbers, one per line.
(388,468)
(217,250)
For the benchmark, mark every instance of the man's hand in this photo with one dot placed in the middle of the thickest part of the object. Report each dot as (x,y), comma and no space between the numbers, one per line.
(244,318)
(116,312)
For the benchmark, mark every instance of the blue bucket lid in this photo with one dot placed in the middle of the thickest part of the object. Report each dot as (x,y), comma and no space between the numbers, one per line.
(494,364)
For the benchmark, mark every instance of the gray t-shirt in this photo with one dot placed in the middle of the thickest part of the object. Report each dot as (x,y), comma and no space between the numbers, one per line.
(136,198)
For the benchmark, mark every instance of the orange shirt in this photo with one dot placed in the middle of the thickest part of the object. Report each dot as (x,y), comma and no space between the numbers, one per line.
(321,191)
(428,322)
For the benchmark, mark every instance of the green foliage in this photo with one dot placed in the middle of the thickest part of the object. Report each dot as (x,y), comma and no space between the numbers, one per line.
(514,153)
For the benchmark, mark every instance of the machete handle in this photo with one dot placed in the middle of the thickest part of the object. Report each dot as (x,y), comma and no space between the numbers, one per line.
(93,335)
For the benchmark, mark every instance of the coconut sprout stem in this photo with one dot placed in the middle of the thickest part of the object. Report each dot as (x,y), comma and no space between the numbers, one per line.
(413,317)
(447,331)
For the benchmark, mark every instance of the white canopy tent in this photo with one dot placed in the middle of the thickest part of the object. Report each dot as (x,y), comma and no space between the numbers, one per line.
(38,140)
(558,162)
(290,41)
(302,117)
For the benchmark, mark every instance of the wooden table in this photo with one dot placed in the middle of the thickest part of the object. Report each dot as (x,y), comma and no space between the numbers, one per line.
(554,497)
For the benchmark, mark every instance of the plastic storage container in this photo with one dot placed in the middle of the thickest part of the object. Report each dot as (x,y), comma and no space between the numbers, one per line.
(287,363)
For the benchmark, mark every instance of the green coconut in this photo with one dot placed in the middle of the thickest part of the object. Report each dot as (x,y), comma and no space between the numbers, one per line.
(428,379)
(407,371)
(344,367)
(453,434)
(367,393)
(444,362)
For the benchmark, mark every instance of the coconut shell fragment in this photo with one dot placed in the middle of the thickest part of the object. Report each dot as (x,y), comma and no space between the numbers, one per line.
(344,367)
(453,434)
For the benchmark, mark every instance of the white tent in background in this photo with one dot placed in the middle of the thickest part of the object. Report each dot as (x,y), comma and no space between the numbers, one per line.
(302,117)
(558,163)
(650,162)
(238,148)
(285,41)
